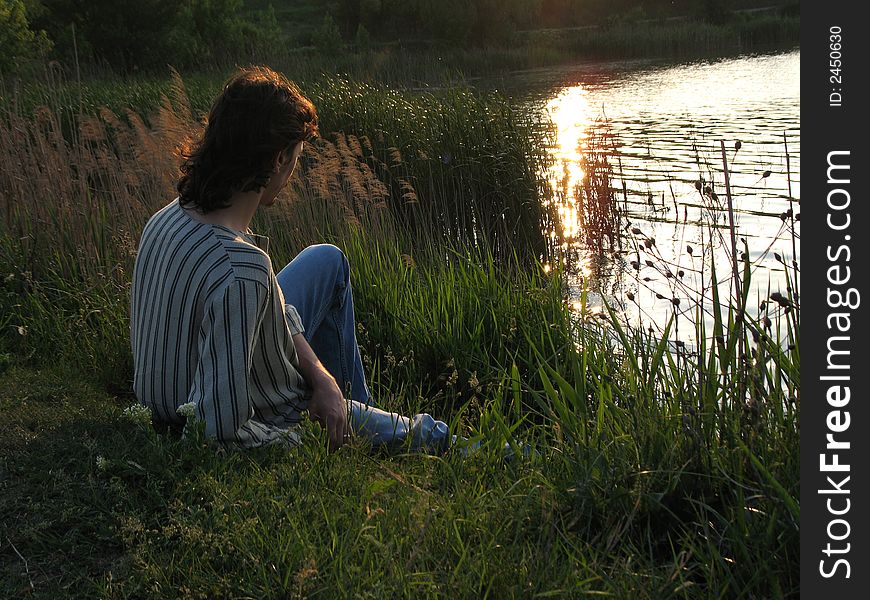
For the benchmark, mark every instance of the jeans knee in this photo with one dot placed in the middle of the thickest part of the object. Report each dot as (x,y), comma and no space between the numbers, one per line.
(330,258)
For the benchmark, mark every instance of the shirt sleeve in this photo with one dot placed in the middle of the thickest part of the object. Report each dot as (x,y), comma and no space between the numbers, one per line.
(294,321)
(220,389)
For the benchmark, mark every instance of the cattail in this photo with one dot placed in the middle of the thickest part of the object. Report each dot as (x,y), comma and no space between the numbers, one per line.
(689,250)
(781,300)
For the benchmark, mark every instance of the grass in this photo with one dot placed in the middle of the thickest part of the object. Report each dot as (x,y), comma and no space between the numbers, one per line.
(651,479)
(660,472)
(634,493)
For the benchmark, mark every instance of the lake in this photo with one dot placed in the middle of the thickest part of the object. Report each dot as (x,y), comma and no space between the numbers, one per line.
(659,129)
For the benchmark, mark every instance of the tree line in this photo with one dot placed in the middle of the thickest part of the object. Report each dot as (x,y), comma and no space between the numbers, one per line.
(129,35)
(482,22)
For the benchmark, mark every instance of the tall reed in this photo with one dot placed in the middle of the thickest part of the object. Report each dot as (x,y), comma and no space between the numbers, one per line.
(461,167)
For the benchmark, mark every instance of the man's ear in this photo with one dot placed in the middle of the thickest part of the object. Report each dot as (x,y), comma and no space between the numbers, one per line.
(279,161)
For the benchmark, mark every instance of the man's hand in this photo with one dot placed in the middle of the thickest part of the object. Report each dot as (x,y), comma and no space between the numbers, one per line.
(326,405)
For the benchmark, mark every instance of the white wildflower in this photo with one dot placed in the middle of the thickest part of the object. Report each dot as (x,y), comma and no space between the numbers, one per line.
(193,428)
(187,410)
(102,463)
(139,414)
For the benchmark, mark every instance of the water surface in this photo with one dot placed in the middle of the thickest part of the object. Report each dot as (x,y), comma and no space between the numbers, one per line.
(664,127)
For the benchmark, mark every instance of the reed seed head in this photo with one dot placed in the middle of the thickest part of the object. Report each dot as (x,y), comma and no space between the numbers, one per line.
(781,300)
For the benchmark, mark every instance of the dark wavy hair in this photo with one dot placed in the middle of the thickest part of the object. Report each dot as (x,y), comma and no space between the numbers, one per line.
(258,114)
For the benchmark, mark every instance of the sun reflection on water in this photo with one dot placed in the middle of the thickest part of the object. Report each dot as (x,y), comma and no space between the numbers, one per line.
(569,111)
(663,136)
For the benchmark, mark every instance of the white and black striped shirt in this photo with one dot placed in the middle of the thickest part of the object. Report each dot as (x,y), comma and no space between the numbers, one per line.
(209,326)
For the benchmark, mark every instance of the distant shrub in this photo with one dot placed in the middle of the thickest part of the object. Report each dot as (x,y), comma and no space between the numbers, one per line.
(327,38)
(17,39)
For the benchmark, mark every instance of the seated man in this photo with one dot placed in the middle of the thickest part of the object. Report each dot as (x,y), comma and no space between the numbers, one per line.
(212,324)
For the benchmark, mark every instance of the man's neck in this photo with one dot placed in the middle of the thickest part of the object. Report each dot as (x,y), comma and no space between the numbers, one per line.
(236,216)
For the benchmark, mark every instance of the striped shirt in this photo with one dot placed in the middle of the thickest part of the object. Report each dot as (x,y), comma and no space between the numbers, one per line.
(209,325)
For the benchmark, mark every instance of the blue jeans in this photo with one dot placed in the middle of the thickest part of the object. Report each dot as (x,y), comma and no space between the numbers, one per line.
(317,283)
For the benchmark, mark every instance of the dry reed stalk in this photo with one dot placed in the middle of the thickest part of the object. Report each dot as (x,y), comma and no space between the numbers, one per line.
(78,199)
(731,227)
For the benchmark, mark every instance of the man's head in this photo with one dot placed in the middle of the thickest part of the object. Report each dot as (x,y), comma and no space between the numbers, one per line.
(252,138)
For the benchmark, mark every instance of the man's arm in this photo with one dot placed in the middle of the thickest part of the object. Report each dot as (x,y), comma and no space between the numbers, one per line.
(327,405)
(221,383)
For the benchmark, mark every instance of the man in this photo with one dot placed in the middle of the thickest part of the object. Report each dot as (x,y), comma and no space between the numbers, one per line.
(211,322)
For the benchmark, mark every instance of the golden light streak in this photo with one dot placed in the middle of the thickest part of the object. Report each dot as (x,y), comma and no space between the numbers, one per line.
(569,111)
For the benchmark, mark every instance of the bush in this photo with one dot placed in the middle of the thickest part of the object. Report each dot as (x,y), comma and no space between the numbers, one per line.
(327,38)
(17,39)
(216,31)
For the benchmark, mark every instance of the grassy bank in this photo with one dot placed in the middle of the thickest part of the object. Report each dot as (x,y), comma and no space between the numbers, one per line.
(661,471)
(99,504)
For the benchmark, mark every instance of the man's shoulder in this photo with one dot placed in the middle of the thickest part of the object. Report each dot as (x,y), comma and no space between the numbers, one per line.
(248,261)
(171,231)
